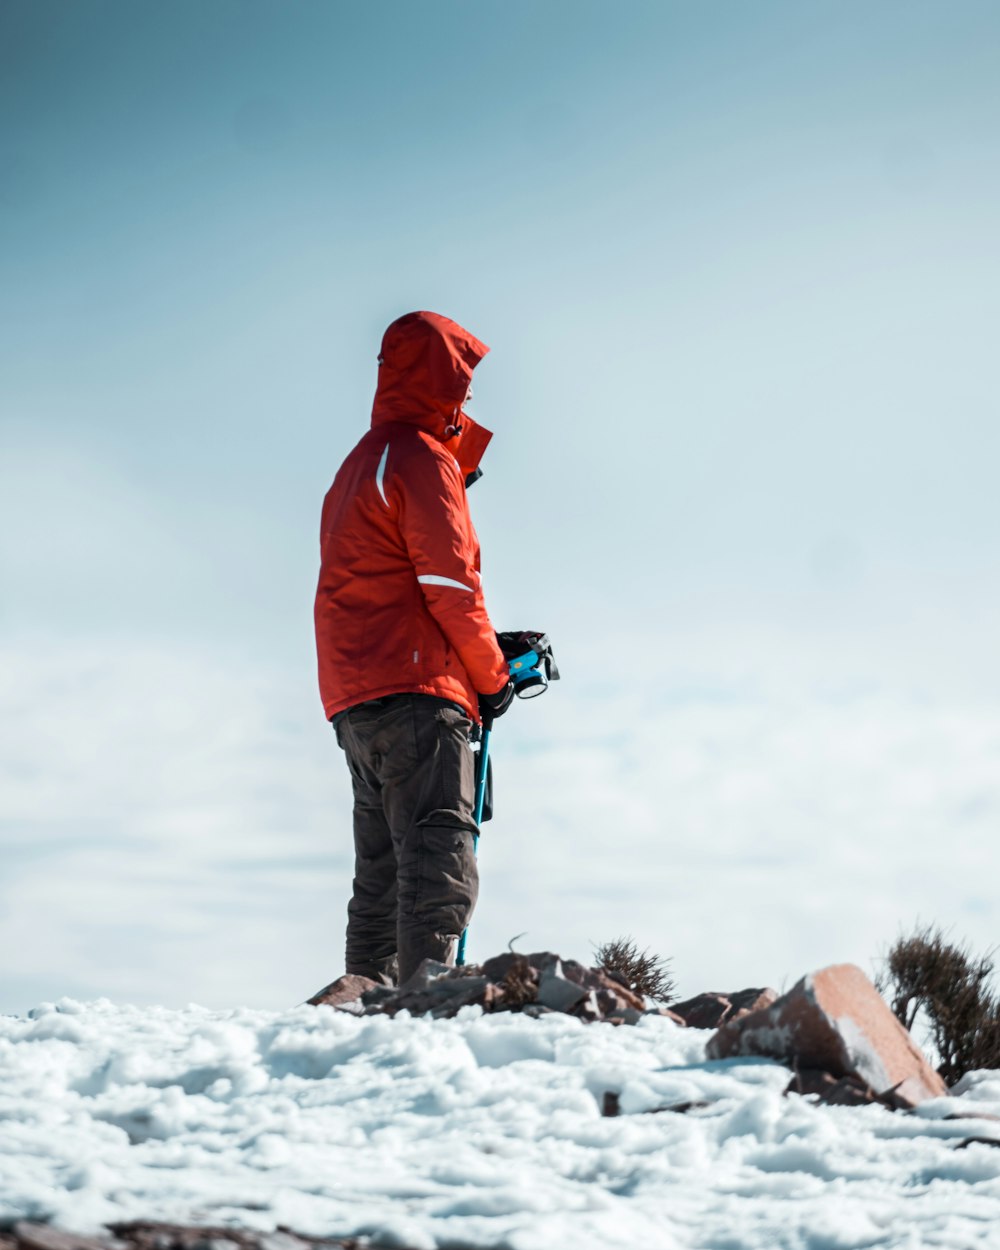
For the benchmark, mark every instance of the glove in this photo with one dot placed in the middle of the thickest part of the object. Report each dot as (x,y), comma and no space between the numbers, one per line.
(515,645)
(493,705)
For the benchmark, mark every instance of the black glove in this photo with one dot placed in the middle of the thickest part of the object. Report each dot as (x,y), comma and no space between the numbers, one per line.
(493,705)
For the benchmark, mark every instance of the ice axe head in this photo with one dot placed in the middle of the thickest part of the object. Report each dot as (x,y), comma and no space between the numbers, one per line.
(529,660)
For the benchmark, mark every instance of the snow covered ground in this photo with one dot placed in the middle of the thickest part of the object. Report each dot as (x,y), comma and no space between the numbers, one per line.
(481,1131)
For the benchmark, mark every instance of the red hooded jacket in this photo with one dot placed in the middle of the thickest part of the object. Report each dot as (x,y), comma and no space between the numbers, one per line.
(399,607)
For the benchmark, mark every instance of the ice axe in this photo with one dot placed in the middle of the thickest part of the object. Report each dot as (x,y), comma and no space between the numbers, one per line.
(532,666)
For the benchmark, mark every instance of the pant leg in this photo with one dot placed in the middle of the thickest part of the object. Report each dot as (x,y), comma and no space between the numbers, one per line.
(371,912)
(430,813)
(413,756)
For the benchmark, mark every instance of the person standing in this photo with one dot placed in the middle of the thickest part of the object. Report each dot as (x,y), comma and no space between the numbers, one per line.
(408,658)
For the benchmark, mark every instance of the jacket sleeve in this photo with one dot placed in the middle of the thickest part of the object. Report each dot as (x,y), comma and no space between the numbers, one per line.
(436,528)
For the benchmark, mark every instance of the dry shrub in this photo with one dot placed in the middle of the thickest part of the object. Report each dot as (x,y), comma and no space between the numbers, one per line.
(520,983)
(640,971)
(951,987)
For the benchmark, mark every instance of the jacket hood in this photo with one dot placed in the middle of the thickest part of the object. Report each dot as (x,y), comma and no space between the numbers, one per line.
(425,368)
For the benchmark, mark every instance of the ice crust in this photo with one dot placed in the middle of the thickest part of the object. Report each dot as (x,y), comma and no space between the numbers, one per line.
(482,1130)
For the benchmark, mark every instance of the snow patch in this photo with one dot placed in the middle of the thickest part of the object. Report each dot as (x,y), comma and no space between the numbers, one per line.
(481,1130)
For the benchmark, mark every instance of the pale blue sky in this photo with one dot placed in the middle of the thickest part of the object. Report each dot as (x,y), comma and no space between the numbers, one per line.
(737,263)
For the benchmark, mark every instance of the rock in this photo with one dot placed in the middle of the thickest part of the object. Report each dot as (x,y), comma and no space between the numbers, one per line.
(427,973)
(835,1020)
(44,1237)
(378,994)
(625,1015)
(149,1235)
(443,997)
(844,1091)
(704,1011)
(713,1009)
(493,998)
(745,1001)
(669,1014)
(283,1241)
(611,1106)
(608,1001)
(454,987)
(498,967)
(588,1008)
(811,1082)
(543,961)
(469,992)
(346,989)
(679,1108)
(557,991)
(541,982)
(614,984)
(612,978)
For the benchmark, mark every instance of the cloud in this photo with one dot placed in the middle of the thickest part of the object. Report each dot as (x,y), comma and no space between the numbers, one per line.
(176,826)
(167,814)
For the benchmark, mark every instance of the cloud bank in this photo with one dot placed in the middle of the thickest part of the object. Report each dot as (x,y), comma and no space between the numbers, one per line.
(176,826)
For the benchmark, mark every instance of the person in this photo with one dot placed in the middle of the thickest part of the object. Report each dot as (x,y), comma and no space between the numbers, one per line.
(408,657)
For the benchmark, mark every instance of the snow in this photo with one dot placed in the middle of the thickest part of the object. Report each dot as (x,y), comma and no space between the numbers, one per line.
(481,1131)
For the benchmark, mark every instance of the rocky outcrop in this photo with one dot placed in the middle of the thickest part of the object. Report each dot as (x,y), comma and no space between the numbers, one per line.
(836,1021)
(534,984)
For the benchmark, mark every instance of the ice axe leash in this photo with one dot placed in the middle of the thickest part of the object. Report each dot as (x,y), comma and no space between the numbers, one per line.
(532,666)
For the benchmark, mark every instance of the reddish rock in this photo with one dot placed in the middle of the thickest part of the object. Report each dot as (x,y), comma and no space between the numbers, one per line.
(346,989)
(835,1020)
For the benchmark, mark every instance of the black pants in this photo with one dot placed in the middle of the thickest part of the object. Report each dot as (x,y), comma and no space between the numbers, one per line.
(415,877)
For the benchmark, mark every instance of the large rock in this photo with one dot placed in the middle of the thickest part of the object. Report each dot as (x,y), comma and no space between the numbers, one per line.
(835,1020)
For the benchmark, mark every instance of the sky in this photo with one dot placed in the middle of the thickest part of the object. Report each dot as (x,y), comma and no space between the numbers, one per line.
(737,266)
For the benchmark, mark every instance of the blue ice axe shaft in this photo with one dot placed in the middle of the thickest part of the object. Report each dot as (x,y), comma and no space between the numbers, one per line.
(484,762)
